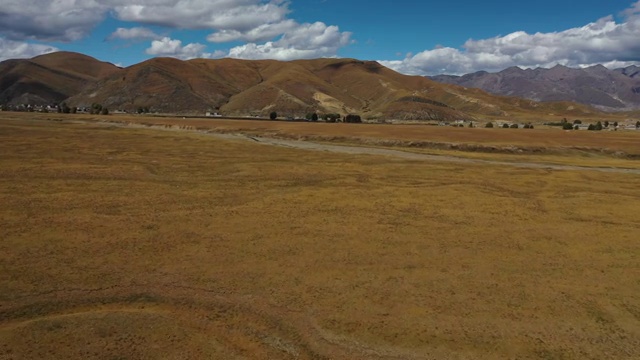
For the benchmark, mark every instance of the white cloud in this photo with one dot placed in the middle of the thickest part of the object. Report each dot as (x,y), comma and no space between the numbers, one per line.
(602,42)
(10,49)
(262,23)
(260,33)
(305,41)
(633,10)
(135,33)
(70,20)
(173,48)
(46,20)
(239,15)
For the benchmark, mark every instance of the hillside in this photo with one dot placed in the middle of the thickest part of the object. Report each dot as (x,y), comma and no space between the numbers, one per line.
(235,87)
(611,90)
(49,79)
(242,87)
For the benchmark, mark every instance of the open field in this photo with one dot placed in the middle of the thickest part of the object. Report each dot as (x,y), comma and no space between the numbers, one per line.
(621,144)
(121,242)
(537,140)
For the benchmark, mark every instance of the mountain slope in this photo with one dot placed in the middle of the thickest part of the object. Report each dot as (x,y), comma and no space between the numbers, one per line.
(294,88)
(596,86)
(49,78)
(235,87)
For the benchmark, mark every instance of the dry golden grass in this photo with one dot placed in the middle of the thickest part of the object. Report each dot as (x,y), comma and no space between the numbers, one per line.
(139,243)
(575,144)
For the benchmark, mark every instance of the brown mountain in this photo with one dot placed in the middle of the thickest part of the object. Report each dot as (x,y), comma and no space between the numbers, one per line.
(611,90)
(293,88)
(245,87)
(49,79)
(241,87)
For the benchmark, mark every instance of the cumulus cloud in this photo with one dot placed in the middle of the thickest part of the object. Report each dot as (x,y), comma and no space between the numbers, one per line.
(633,10)
(256,22)
(174,48)
(70,20)
(45,20)
(238,15)
(260,33)
(602,42)
(263,24)
(305,41)
(10,49)
(135,33)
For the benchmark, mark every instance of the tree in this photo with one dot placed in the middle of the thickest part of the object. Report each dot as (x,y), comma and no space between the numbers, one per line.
(615,124)
(606,124)
(105,111)
(567,126)
(489,125)
(591,127)
(505,126)
(331,118)
(638,124)
(576,127)
(314,117)
(273,115)
(470,124)
(352,118)
(577,122)
(64,108)
(96,108)
(514,126)
(598,126)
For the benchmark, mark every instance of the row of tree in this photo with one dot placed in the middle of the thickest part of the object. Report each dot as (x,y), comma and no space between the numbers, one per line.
(331,118)
(94,109)
(598,126)
(512,126)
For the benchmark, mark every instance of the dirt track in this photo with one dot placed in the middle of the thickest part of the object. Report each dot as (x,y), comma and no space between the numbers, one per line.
(306,145)
(364,150)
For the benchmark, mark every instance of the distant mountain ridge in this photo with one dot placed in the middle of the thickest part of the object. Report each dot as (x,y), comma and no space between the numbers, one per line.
(609,90)
(49,79)
(236,87)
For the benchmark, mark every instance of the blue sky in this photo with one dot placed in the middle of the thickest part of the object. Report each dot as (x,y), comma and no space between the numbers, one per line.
(413,37)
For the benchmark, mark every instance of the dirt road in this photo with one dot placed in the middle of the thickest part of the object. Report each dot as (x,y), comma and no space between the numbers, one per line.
(363,150)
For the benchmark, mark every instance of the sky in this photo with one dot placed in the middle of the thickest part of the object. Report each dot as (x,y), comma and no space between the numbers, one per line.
(413,37)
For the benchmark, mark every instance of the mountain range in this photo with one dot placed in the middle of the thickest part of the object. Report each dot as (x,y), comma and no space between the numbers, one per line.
(235,87)
(609,90)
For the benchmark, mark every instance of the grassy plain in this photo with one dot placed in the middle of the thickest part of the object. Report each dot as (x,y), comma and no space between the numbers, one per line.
(536,139)
(138,243)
